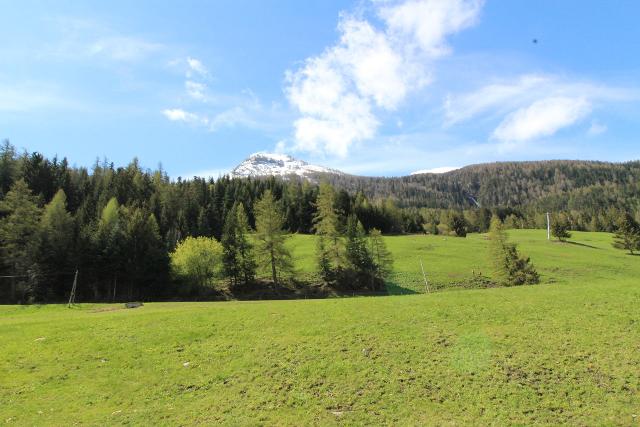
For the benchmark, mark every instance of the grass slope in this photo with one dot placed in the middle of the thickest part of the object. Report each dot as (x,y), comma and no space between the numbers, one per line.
(565,352)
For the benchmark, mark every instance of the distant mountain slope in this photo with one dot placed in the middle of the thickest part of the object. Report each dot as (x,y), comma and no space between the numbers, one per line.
(270,164)
(557,184)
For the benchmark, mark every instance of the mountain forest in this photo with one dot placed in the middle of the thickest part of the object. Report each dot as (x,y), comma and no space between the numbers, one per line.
(120,227)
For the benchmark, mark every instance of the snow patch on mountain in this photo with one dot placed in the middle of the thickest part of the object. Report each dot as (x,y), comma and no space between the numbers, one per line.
(443,169)
(272,164)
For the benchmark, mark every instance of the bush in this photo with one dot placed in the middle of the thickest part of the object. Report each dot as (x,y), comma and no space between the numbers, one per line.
(197,261)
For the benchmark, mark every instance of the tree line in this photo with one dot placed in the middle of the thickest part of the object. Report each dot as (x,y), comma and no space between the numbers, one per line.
(120,226)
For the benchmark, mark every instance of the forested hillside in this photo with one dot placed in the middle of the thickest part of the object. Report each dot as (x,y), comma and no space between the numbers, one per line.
(118,225)
(545,185)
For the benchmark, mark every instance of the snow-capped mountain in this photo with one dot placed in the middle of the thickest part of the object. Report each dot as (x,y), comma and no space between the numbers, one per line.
(267,164)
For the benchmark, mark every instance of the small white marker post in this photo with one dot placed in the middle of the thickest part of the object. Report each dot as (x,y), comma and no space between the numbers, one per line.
(426,283)
(548,227)
(72,297)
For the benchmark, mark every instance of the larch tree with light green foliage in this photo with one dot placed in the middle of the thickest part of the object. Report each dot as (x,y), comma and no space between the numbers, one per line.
(54,243)
(330,246)
(271,236)
(510,268)
(109,241)
(197,261)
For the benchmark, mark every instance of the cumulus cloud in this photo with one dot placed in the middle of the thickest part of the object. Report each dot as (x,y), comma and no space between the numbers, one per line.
(532,106)
(340,92)
(542,118)
(427,23)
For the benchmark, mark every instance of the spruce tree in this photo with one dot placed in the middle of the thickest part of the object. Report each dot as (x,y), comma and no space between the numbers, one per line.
(381,256)
(627,235)
(560,227)
(271,236)
(357,252)
(237,252)
(510,268)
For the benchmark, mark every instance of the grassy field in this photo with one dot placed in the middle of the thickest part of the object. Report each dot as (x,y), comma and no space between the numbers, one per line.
(565,351)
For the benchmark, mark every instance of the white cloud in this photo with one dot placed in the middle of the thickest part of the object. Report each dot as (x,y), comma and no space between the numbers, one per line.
(195,90)
(85,39)
(339,91)
(596,128)
(179,115)
(532,105)
(496,96)
(542,118)
(122,48)
(427,23)
(196,66)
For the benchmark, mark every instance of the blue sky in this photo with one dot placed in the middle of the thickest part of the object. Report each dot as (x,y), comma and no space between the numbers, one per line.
(373,87)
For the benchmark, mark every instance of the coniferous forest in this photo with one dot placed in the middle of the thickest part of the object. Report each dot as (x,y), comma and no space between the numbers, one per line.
(119,227)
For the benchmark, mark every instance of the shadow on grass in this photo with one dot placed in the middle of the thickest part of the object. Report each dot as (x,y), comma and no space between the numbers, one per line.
(393,288)
(581,244)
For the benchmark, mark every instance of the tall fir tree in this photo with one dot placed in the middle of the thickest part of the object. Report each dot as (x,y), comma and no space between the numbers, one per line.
(19,219)
(237,252)
(381,256)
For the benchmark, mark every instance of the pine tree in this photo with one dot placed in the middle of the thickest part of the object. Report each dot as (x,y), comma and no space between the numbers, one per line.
(271,236)
(627,235)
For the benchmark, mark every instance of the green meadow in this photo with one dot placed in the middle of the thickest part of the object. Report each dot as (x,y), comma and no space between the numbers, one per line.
(566,351)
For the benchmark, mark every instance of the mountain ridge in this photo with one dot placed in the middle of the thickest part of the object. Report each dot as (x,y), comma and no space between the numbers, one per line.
(263,164)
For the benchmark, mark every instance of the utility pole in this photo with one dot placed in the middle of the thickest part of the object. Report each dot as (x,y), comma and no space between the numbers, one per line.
(72,297)
(426,283)
(548,227)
